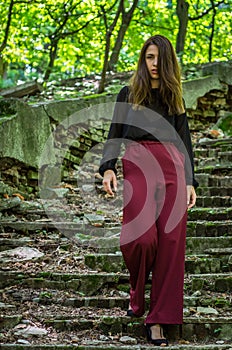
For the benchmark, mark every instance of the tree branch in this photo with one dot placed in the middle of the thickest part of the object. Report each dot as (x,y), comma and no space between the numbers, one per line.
(107,46)
(206,11)
(64,35)
(3,45)
(104,16)
(212,31)
(149,25)
(27,2)
(66,16)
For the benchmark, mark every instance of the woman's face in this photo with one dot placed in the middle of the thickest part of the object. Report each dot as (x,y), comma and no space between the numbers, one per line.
(151,57)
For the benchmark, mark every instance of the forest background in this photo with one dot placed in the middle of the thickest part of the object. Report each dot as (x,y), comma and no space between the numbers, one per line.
(53,40)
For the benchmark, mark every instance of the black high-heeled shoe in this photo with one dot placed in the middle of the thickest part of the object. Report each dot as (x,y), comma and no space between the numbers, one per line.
(157,342)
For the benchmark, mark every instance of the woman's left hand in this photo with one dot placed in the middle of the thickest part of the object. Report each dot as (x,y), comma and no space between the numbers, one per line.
(191,196)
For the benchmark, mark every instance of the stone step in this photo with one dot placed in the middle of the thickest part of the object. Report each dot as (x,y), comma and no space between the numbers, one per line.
(210,260)
(210,214)
(113,325)
(209,282)
(102,239)
(214,170)
(201,236)
(200,325)
(199,231)
(196,213)
(204,153)
(92,283)
(109,300)
(201,153)
(203,228)
(193,244)
(224,181)
(209,245)
(214,191)
(37,242)
(206,197)
(112,345)
(202,264)
(193,263)
(215,143)
(218,159)
(219,251)
(213,201)
(204,315)
(74,230)
(206,180)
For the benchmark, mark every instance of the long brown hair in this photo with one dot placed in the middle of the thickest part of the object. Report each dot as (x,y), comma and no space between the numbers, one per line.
(169,75)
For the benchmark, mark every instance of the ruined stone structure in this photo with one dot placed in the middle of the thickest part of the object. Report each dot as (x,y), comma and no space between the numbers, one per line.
(63,282)
(56,135)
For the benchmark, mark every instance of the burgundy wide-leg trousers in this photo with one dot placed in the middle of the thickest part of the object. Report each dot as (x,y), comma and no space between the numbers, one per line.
(154,228)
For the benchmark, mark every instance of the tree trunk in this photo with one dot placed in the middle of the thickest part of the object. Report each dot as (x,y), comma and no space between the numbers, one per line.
(52,55)
(7,29)
(182,13)
(3,68)
(3,64)
(212,31)
(105,64)
(126,19)
(109,32)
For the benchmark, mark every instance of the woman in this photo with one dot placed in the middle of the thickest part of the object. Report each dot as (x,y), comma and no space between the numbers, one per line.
(159,184)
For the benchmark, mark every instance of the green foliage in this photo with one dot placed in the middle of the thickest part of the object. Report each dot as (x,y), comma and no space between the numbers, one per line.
(199,31)
(73,33)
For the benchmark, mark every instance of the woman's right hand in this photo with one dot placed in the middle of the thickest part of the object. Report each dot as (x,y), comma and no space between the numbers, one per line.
(108,180)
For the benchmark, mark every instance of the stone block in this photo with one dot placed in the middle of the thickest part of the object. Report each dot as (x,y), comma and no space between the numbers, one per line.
(8,322)
(32,175)
(197,284)
(23,140)
(223,284)
(225,332)
(105,262)
(203,179)
(73,284)
(91,284)
(199,87)
(222,70)
(209,114)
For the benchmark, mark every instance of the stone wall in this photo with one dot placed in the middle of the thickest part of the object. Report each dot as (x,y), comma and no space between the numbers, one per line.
(59,133)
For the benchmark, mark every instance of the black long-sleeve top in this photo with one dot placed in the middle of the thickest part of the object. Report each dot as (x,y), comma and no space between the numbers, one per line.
(151,123)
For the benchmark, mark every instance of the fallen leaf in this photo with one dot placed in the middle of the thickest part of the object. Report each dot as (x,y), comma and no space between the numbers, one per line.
(19,196)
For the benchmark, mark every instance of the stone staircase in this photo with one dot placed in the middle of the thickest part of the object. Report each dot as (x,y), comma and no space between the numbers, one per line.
(64,284)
